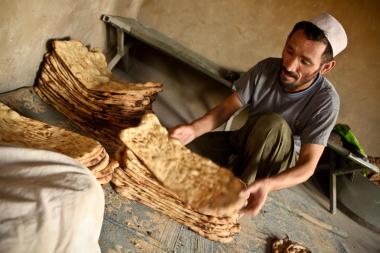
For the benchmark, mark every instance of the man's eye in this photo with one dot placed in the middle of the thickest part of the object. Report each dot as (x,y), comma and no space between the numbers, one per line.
(304,62)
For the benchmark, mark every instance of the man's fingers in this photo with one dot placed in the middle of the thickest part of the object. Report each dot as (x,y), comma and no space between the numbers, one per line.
(179,135)
(246,192)
(255,203)
(251,209)
(182,133)
(250,212)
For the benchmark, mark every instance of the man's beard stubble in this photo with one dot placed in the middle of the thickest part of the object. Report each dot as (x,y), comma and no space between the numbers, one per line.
(294,85)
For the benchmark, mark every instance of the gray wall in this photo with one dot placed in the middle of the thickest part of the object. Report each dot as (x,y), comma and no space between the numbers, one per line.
(26,25)
(235,34)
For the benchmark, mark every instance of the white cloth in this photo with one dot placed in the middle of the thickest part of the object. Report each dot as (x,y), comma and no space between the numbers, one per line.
(48,203)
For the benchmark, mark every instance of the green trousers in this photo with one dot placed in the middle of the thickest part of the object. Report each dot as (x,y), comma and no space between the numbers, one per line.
(261,148)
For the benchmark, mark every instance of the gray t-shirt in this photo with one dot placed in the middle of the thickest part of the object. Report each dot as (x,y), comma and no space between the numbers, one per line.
(311,113)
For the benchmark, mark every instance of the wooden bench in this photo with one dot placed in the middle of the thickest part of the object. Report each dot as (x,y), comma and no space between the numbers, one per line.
(163,43)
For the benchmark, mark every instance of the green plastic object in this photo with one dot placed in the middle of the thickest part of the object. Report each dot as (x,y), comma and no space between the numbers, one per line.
(349,139)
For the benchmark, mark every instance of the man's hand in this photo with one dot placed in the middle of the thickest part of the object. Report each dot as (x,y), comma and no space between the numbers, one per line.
(256,193)
(208,122)
(184,133)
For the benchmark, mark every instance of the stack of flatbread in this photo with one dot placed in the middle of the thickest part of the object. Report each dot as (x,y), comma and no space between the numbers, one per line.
(77,82)
(163,174)
(17,130)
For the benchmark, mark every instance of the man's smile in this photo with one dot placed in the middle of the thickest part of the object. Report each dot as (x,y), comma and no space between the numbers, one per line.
(288,76)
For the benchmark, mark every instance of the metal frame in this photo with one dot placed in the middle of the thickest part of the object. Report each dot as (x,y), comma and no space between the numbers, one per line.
(343,162)
(163,43)
(120,48)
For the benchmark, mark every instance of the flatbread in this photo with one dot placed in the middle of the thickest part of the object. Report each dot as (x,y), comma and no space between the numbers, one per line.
(92,161)
(197,181)
(133,180)
(105,180)
(107,171)
(287,246)
(90,67)
(133,168)
(21,131)
(77,82)
(132,188)
(100,165)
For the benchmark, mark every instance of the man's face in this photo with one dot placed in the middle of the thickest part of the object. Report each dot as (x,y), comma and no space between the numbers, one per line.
(301,61)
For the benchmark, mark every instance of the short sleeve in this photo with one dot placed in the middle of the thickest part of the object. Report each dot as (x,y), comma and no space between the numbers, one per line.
(319,127)
(245,85)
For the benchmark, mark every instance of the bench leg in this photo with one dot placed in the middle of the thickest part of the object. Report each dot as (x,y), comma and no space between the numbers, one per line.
(332,192)
(120,48)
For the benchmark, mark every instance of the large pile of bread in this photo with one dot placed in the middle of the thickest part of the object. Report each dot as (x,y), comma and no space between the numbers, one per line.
(20,131)
(77,82)
(151,168)
(163,174)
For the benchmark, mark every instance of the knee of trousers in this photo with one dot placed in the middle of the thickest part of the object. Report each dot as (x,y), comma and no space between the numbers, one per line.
(268,126)
(271,123)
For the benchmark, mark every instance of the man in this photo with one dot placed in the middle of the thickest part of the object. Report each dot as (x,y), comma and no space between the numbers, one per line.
(293,109)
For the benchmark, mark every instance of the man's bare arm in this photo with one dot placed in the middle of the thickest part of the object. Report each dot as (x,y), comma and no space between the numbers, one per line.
(258,191)
(304,169)
(211,120)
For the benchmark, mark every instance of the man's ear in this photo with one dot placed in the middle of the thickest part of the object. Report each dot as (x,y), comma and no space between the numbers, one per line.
(326,67)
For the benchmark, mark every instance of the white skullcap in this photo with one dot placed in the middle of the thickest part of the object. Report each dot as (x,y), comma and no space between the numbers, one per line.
(334,32)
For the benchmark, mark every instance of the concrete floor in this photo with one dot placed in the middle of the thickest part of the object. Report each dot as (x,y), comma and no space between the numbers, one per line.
(188,95)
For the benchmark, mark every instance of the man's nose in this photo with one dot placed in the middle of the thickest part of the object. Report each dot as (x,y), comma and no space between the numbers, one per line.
(291,64)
